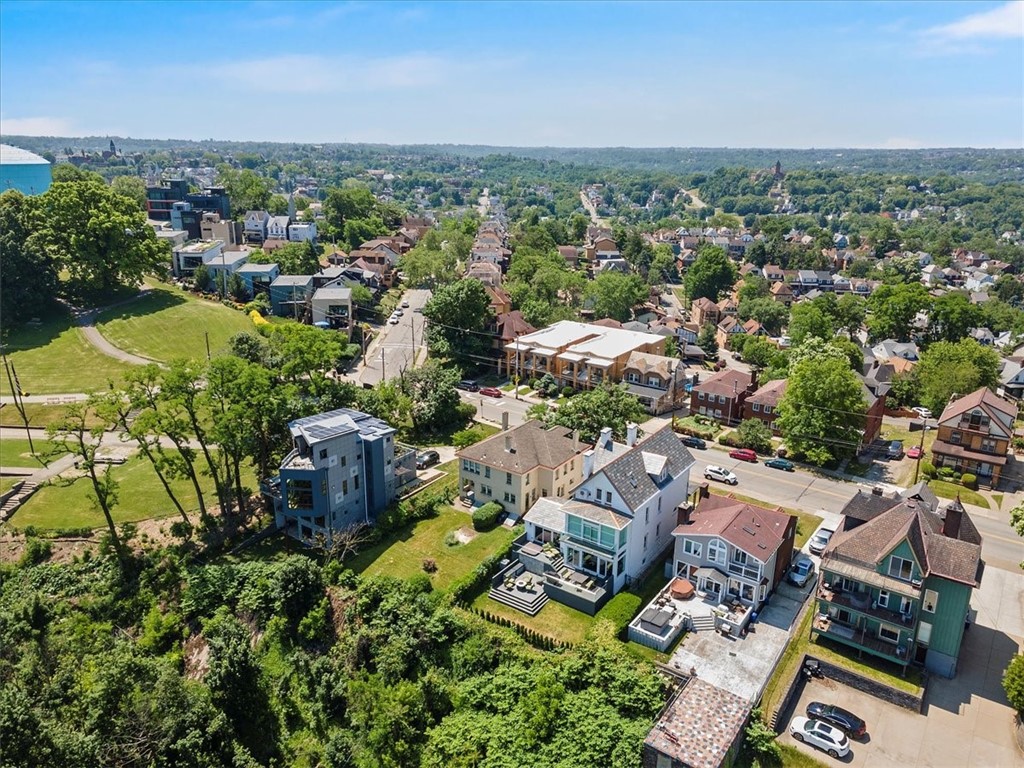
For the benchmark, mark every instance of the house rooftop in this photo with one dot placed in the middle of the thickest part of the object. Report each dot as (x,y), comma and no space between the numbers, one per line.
(324,426)
(757,530)
(728,382)
(699,725)
(201,246)
(983,398)
(292,280)
(335,292)
(530,445)
(630,472)
(587,338)
(953,555)
(257,269)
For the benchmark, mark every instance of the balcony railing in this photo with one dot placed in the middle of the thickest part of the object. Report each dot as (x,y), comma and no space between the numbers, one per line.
(899,653)
(864,603)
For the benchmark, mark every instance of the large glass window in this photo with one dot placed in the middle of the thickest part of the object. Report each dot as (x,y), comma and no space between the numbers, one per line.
(692,547)
(900,568)
(300,493)
(716,551)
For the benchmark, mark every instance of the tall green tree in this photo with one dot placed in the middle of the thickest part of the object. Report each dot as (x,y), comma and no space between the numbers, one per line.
(893,309)
(822,413)
(78,433)
(247,190)
(434,400)
(613,294)
(100,238)
(948,368)
(28,273)
(605,406)
(951,317)
(457,316)
(806,320)
(131,187)
(711,274)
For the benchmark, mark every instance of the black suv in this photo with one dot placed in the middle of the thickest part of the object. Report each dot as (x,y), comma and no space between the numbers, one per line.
(842,719)
(693,442)
(469,385)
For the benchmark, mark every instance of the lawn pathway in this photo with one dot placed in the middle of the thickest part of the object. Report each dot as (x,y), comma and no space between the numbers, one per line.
(86,320)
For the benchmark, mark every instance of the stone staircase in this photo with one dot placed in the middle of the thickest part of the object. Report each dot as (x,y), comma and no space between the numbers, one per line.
(702,623)
(529,603)
(17,498)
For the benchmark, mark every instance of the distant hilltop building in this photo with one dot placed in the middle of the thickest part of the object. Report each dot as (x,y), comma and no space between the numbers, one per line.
(24,171)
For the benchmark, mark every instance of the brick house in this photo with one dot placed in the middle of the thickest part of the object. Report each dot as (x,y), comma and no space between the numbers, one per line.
(723,395)
(763,404)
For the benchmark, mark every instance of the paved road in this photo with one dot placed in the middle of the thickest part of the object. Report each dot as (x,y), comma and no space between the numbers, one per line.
(1002,548)
(393,350)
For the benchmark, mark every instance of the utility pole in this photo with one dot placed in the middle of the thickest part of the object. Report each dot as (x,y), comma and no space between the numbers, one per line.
(382,376)
(516,379)
(207,334)
(19,403)
(920,450)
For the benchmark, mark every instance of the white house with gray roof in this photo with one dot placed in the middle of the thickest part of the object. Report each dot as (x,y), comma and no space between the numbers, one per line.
(621,517)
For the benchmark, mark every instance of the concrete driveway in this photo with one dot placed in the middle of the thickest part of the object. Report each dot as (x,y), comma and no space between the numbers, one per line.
(967,722)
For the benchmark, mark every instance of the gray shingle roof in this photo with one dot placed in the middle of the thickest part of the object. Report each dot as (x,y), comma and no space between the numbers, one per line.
(628,474)
(532,446)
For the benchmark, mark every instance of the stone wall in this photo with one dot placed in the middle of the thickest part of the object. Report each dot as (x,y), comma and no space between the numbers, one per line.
(912,701)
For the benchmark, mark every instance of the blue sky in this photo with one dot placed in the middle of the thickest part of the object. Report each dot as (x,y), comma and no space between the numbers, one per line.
(805,74)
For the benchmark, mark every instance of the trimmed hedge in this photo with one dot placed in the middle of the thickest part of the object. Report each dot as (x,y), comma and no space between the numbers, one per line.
(486,517)
(620,610)
(464,589)
(967,480)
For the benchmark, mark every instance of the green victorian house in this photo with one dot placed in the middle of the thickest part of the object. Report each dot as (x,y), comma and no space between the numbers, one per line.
(896,580)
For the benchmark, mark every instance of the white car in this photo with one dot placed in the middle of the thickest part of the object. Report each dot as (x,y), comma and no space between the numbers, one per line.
(405,303)
(821,735)
(398,312)
(923,412)
(723,475)
(393,320)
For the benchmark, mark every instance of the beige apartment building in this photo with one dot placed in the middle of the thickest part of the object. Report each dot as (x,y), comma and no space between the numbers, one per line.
(521,465)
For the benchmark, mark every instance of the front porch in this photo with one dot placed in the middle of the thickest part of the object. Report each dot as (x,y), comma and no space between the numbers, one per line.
(863,640)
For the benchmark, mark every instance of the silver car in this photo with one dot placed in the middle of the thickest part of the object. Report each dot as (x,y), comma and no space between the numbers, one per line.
(802,570)
(820,540)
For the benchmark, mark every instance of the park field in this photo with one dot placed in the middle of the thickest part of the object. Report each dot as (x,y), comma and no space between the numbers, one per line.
(64,504)
(56,357)
(168,323)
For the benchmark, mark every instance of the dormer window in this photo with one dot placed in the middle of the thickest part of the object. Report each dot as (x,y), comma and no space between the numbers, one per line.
(902,569)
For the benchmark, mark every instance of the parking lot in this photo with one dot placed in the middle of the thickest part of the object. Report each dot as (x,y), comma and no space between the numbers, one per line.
(967,722)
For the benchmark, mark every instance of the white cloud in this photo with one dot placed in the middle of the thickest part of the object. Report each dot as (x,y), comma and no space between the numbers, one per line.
(36,126)
(1004,22)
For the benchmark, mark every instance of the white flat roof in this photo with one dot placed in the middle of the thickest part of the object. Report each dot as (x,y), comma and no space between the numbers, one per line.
(10,155)
(587,339)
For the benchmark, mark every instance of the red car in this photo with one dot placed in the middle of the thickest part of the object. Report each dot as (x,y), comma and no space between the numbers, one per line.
(491,392)
(743,454)
(914,452)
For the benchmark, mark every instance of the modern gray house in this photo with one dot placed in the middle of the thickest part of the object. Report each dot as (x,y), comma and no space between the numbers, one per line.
(345,468)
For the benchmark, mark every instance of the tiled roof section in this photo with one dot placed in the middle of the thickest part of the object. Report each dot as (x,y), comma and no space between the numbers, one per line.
(532,446)
(922,492)
(756,530)
(647,363)
(769,394)
(628,473)
(728,382)
(867,506)
(699,725)
(951,557)
(983,398)
(607,322)
(511,324)
(547,513)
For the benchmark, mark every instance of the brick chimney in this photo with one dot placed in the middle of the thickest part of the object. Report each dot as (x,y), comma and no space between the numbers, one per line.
(508,444)
(631,430)
(504,421)
(954,517)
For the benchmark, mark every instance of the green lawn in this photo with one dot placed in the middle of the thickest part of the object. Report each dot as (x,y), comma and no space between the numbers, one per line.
(403,553)
(555,620)
(39,415)
(707,431)
(56,357)
(7,482)
(169,323)
(68,505)
(947,490)
(15,451)
(806,523)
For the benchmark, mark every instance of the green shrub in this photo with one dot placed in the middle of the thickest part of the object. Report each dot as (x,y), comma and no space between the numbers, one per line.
(486,517)
(969,480)
(928,469)
(568,391)
(1013,683)
(36,551)
(754,434)
(946,473)
(620,610)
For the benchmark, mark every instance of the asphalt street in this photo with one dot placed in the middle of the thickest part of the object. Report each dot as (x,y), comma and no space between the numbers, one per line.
(1001,547)
(394,349)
